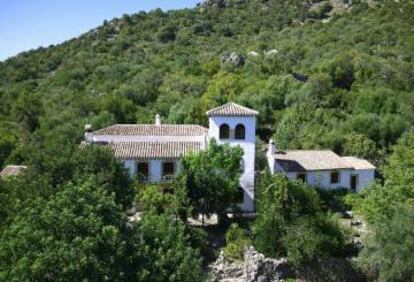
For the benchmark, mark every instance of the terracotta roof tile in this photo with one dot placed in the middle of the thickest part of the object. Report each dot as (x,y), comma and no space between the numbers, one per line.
(313,160)
(154,150)
(153,130)
(12,170)
(232,109)
(358,163)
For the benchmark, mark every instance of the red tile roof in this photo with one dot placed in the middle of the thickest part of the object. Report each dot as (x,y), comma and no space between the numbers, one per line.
(358,163)
(154,150)
(12,170)
(313,159)
(232,109)
(153,130)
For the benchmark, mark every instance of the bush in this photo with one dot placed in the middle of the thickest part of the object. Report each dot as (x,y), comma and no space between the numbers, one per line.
(162,251)
(389,251)
(167,34)
(154,199)
(291,222)
(236,241)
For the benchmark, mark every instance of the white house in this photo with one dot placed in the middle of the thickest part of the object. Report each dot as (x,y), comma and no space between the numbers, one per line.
(321,168)
(152,152)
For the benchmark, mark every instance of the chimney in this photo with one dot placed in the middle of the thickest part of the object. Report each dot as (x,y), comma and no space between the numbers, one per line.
(157,119)
(272,148)
(88,133)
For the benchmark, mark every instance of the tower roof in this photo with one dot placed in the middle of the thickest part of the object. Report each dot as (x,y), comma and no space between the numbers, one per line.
(232,109)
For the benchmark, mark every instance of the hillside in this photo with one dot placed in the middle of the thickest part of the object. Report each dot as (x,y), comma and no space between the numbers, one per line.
(333,74)
(345,83)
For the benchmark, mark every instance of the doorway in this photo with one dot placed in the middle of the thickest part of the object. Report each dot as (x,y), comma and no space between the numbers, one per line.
(354,182)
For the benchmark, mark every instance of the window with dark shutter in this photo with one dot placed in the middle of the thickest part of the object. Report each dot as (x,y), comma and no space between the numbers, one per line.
(240,132)
(224,131)
(335,177)
(168,168)
(142,171)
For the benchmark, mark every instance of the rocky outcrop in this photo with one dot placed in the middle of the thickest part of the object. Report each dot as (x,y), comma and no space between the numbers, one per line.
(255,268)
(226,270)
(233,58)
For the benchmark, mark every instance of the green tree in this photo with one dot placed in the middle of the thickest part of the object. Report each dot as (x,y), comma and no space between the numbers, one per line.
(161,251)
(388,254)
(208,181)
(154,199)
(75,235)
(398,189)
(27,110)
(361,146)
(57,164)
(223,88)
(7,144)
(291,223)
(167,33)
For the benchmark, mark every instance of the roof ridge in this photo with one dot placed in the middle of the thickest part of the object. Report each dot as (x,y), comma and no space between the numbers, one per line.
(154,141)
(237,110)
(152,124)
(311,150)
(153,130)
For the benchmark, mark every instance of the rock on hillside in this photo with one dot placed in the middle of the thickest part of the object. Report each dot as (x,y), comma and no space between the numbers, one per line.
(256,267)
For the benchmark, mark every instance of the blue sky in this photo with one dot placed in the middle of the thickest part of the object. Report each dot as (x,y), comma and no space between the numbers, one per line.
(28,24)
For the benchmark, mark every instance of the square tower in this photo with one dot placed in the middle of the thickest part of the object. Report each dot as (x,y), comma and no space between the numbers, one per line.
(236,125)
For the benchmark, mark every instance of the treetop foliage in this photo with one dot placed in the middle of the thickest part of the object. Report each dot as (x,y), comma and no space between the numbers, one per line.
(208,181)
(291,223)
(352,75)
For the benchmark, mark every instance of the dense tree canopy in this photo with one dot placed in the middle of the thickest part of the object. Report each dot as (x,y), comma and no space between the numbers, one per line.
(353,75)
(208,181)
(291,223)
(76,234)
(82,233)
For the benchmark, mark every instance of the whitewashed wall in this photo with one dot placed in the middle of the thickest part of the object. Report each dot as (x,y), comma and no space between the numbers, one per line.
(248,146)
(366,177)
(131,166)
(322,179)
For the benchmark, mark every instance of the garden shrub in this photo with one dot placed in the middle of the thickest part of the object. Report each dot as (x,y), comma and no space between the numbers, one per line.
(236,242)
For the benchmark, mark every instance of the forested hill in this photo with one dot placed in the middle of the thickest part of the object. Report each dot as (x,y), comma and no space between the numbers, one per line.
(321,76)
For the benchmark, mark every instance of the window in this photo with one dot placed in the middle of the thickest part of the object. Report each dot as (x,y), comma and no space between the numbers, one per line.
(142,171)
(224,131)
(335,177)
(239,195)
(168,168)
(240,132)
(301,176)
